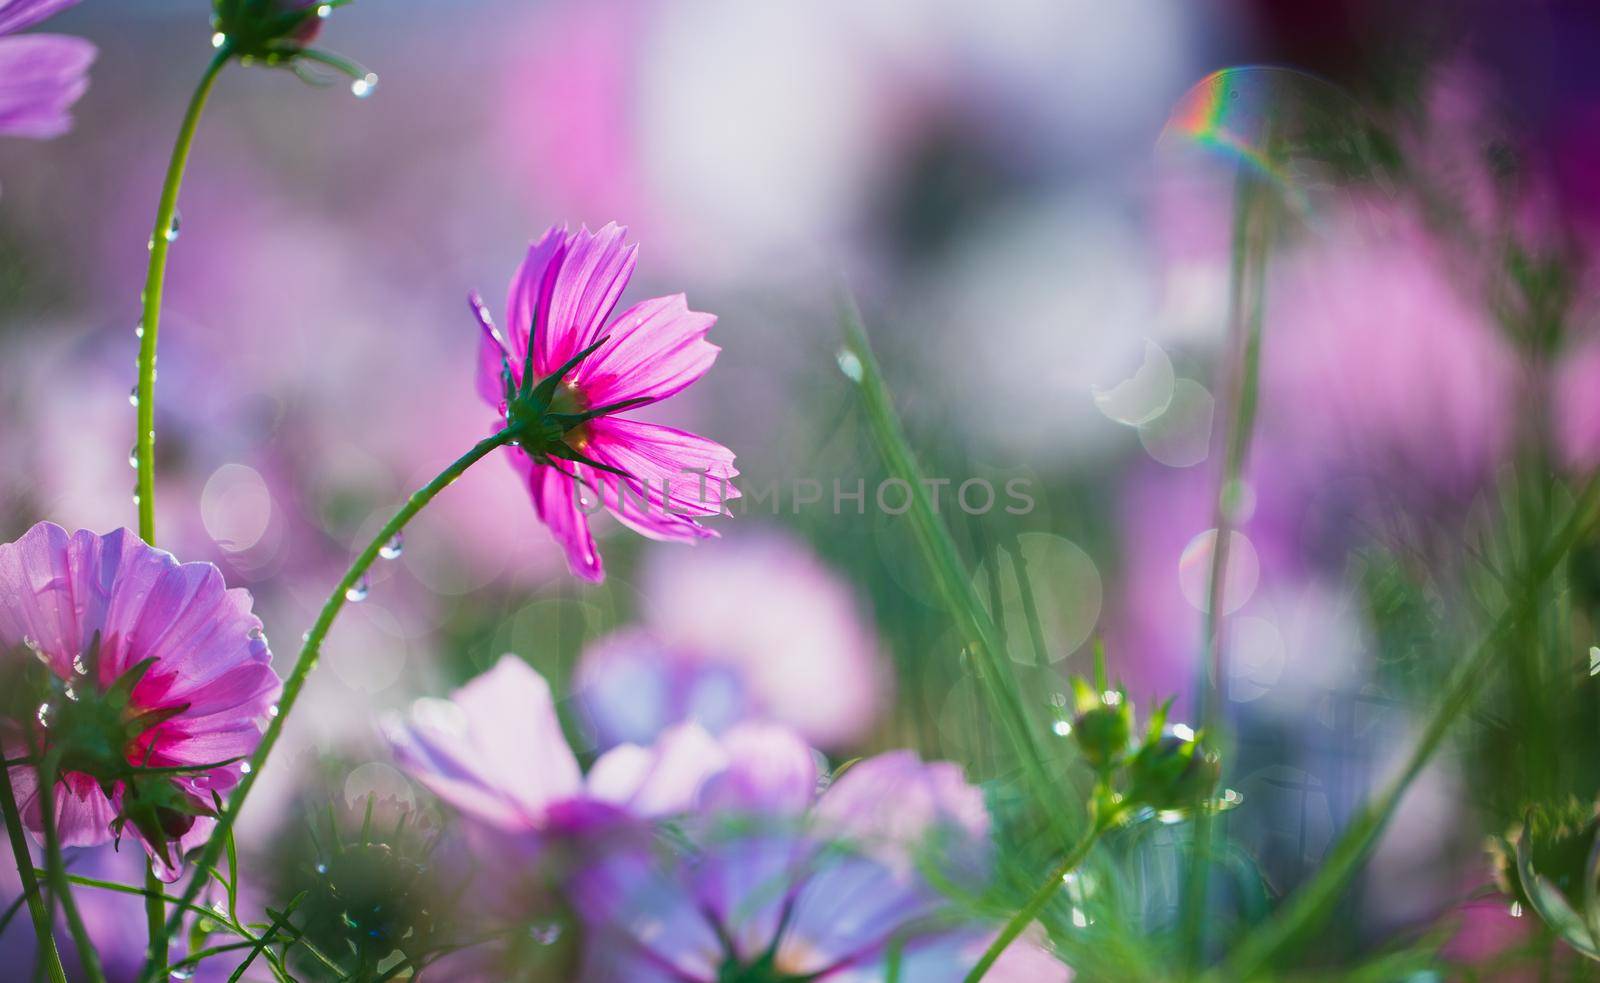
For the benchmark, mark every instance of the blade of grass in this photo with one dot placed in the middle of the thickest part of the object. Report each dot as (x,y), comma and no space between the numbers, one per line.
(973,622)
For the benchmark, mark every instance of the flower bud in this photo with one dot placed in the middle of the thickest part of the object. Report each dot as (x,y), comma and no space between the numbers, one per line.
(1103,727)
(1174,770)
(1555,845)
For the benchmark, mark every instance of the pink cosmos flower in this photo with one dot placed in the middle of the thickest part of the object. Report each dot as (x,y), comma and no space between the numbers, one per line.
(41,75)
(152,664)
(567,371)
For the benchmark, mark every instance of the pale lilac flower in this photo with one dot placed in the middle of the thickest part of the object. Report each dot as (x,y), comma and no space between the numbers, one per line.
(41,75)
(758,628)
(575,452)
(106,613)
(762,866)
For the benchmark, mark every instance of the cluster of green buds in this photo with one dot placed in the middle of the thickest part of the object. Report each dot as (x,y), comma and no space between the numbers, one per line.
(1550,863)
(280,34)
(1169,769)
(366,898)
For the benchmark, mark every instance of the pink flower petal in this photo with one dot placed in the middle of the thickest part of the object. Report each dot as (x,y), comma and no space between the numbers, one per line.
(676,475)
(660,780)
(655,349)
(495,750)
(555,498)
(41,76)
(17,15)
(770,771)
(534,279)
(589,279)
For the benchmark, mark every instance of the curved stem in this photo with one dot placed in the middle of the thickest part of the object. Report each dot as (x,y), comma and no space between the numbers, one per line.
(1041,897)
(48,954)
(154,285)
(60,889)
(310,651)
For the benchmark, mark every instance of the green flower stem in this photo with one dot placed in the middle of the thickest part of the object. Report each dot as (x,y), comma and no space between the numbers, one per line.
(1311,905)
(973,622)
(57,870)
(155,915)
(307,661)
(1027,913)
(149,330)
(1252,243)
(155,284)
(48,954)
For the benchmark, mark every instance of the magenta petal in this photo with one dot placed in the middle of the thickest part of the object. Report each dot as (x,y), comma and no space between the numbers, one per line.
(495,750)
(17,15)
(555,498)
(41,76)
(675,477)
(656,348)
(535,277)
(592,274)
(83,813)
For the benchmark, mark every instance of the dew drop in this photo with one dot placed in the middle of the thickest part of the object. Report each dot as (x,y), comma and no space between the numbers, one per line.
(133,459)
(138,329)
(324,10)
(258,634)
(272,711)
(362,87)
(850,365)
(1061,728)
(322,868)
(79,666)
(545,933)
(245,768)
(46,711)
(394,547)
(69,693)
(31,644)
(174,227)
(1516,909)
(359,590)
(218,39)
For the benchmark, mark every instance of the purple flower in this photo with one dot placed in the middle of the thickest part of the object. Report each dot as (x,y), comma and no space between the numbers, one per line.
(575,452)
(763,874)
(759,628)
(41,75)
(777,882)
(155,665)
